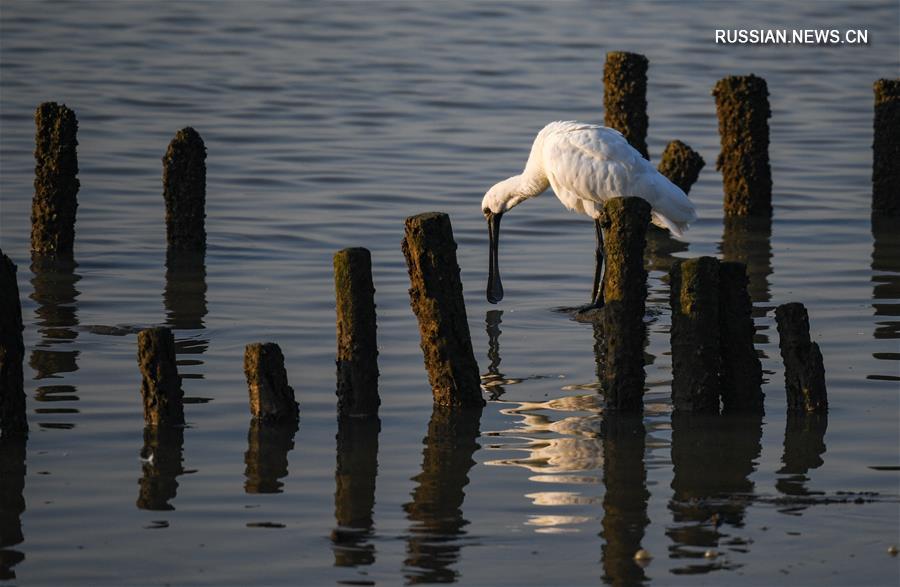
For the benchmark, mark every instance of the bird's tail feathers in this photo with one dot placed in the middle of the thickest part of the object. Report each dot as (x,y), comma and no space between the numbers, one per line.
(671,207)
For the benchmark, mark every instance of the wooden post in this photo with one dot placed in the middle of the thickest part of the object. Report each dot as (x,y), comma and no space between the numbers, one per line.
(160,384)
(436,298)
(625,97)
(741,371)
(681,164)
(696,353)
(55,181)
(357,348)
(625,225)
(804,371)
(622,374)
(886,147)
(271,398)
(184,191)
(742,104)
(13,421)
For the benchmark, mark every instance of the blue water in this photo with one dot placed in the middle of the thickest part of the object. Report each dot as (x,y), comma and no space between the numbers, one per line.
(326,124)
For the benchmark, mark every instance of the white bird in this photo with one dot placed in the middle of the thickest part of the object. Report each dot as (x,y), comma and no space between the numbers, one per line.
(586,165)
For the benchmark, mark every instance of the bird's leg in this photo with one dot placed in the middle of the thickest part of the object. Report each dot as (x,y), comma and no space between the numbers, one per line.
(597,291)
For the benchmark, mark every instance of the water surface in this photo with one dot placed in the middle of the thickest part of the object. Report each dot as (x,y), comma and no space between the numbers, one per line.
(327,123)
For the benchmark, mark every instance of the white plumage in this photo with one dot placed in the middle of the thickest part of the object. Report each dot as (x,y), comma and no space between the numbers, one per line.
(586,165)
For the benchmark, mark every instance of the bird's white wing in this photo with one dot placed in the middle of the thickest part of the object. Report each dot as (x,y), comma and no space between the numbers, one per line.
(588,165)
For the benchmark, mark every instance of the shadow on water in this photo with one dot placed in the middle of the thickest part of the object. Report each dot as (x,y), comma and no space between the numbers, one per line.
(713,457)
(161,464)
(804,445)
(56,317)
(625,501)
(886,289)
(354,494)
(433,544)
(184,298)
(266,459)
(12,505)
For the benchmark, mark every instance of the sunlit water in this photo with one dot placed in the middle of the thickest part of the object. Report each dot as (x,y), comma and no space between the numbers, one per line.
(327,124)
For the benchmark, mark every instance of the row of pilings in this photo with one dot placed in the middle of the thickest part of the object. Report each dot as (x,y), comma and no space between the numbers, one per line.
(709,299)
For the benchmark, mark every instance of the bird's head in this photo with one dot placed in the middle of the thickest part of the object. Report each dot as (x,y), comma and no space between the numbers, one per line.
(501,197)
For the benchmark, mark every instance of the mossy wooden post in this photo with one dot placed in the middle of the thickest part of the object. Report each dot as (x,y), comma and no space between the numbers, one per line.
(436,297)
(625,225)
(625,97)
(357,349)
(804,371)
(886,147)
(160,384)
(13,421)
(681,164)
(742,104)
(271,398)
(741,371)
(184,191)
(696,354)
(55,181)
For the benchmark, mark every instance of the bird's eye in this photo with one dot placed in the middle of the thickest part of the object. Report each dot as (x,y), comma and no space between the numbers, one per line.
(486,211)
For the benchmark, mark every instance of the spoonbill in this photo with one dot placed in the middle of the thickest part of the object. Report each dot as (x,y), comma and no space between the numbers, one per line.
(586,165)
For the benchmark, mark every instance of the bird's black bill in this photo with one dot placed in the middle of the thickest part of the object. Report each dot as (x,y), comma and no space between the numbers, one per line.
(494,285)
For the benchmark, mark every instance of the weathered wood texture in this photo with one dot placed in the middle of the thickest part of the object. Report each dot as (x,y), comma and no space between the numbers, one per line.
(436,298)
(742,104)
(55,182)
(357,347)
(625,97)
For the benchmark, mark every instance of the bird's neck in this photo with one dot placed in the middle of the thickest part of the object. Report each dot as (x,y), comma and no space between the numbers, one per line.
(533,180)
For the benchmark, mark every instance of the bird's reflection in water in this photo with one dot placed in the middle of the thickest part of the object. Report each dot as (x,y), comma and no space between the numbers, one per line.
(804,445)
(434,541)
(161,461)
(713,457)
(886,278)
(354,494)
(266,459)
(184,298)
(56,315)
(493,380)
(748,240)
(12,505)
(625,501)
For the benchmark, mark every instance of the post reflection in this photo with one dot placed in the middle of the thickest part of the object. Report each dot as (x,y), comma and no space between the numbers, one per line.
(749,241)
(713,457)
(625,501)
(886,277)
(354,495)
(804,445)
(493,380)
(266,459)
(12,505)
(661,249)
(184,298)
(436,509)
(56,315)
(161,459)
